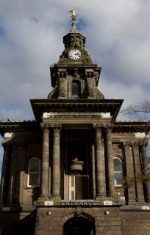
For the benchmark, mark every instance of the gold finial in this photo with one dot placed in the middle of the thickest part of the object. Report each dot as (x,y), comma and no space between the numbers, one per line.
(73,14)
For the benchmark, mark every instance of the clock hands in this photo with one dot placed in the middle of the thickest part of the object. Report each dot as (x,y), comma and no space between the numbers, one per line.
(77,53)
(74,54)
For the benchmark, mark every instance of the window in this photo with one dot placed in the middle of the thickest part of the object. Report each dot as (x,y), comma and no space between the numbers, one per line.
(118,171)
(72,187)
(76,89)
(34,172)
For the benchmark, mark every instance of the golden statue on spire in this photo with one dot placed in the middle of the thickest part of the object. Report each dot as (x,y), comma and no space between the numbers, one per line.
(73,14)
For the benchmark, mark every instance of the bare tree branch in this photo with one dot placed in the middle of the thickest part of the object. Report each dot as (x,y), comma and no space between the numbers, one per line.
(143,107)
(142,177)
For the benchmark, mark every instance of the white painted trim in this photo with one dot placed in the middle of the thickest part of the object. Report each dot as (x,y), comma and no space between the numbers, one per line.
(140,135)
(8,134)
(76,114)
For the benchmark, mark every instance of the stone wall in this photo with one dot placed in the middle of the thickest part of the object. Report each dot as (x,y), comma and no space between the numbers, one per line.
(135,222)
(51,220)
(107,220)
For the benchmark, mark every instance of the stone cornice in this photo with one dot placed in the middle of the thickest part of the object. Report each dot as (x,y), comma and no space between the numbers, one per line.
(12,126)
(40,106)
(81,102)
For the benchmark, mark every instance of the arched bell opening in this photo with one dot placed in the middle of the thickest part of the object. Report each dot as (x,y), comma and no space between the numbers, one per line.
(79,226)
(76,89)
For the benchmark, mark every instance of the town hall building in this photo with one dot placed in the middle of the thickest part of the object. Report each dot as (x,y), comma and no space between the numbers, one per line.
(75,170)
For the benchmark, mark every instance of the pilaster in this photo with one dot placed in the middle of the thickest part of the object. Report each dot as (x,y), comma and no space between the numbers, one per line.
(110,164)
(138,173)
(131,197)
(93,171)
(45,163)
(146,169)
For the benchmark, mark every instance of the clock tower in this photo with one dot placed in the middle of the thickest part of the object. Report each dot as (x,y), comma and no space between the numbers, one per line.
(75,76)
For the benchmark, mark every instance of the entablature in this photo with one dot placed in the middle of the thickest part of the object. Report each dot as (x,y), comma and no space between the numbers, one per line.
(41,106)
(132,126)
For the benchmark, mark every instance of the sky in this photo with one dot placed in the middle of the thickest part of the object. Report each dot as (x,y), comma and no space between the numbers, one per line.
(31,31)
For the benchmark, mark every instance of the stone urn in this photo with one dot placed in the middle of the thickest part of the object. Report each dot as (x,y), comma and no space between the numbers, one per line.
(76,165)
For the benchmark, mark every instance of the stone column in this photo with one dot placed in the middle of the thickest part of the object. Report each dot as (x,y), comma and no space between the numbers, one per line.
(21,173)
(99,165)
(93,171)
(45,164)
(110,163)
(12,176)
(138,172)
(103,175)
(130,173)
(56,163)
(146,169)
(5,176)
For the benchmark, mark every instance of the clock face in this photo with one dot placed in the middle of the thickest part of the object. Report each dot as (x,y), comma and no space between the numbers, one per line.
(74,54)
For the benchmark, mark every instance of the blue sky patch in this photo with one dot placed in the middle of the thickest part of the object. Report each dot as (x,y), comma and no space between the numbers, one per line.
(2,31)
(81,24)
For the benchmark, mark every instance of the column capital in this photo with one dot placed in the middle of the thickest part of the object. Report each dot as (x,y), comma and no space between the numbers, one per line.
(98,126)
(109,127)
(127,144)
(136,144)
(140,143)
(44,126)
(143,143)
(50,125)
(56,125)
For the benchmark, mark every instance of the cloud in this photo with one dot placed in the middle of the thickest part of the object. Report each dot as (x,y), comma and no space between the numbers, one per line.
(31,32)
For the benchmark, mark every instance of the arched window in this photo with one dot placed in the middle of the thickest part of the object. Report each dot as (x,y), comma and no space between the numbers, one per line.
(34,172)
(118,171)
(76,89)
